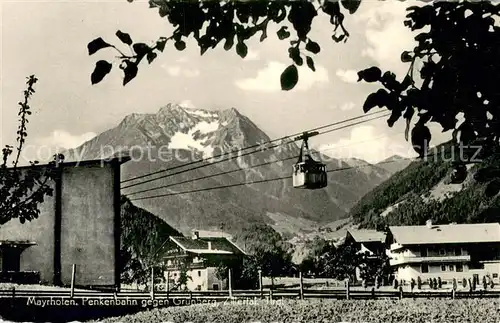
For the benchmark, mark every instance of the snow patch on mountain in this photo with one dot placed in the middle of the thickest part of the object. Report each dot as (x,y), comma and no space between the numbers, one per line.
(201,113)
(191,139)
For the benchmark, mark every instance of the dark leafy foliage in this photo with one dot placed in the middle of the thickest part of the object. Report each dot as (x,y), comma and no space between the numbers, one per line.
(457,47)
(23,190)
(326,260)
(233,22)
(267,250)
(143,236)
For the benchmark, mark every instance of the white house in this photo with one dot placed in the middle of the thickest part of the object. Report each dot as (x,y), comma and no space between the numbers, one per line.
(447,251)
(201,256)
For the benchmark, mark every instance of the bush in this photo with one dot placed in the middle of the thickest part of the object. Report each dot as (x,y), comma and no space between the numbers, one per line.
(404,311)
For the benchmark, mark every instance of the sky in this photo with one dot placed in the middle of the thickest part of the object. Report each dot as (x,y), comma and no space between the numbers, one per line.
(49,39)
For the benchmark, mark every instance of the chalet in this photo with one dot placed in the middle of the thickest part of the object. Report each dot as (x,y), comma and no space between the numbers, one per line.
(78,225)
(371,242)
(200,256)
(447,251)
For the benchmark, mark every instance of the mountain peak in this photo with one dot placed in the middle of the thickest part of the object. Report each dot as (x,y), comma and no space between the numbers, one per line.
(169,108)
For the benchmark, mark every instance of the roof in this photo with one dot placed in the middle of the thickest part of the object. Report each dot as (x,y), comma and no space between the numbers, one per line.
(367,235)
(16,243)
(448,233)
(92,162)
(219,245)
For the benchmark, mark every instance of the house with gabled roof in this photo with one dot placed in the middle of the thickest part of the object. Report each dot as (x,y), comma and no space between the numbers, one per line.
(366,241)
(446,251)
(370,241)
(200,256)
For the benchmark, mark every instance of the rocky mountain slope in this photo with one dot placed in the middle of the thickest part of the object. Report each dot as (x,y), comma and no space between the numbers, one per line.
(175,136)
(424,191)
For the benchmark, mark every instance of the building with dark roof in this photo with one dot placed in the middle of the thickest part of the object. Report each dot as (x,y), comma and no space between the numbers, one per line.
(366,241)
(370,241)
(78,225)
(199,256)
(446,251)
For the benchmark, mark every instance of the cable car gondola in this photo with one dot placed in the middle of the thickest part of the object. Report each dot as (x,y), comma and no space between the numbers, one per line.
(307,172)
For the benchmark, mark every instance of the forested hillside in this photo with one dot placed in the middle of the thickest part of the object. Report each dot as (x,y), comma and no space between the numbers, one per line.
(423,191)
(142,237)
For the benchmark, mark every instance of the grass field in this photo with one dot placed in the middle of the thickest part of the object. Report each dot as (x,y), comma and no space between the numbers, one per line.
(309,311)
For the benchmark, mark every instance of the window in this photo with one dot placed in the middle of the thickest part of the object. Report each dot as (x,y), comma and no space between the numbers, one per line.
(458,251)
(495,275)
(199,273)
(442,252)
(215,286)
(425,268)
(451,268)
(443,268)
(459,268)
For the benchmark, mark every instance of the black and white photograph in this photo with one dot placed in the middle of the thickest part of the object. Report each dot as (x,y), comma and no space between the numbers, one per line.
(250,161)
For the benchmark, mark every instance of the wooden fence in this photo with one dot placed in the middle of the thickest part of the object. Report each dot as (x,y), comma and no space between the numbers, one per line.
(248,294)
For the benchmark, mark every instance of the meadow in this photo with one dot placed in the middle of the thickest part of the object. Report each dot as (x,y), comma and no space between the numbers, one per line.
(309,311)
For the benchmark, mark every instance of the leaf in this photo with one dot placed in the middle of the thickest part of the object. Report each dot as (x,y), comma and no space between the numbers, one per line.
(124,37)
(283,33)
(370,75)
(351,5)
(420,139)
(141,49)
(289,78)
(406,57)
(294,54)
(486,174)
(310,63)
(180,45)
(263,36)
(151,57)
(379,98)
(241,49)
(492,188)
(229,43)
(408,115)
(130,72)
(102,68)
(97,44)
(160,44)
(313,47)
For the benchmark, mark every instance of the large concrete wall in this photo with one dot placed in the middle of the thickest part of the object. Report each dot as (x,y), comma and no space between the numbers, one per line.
(87,232)
(87,225)
(39,257)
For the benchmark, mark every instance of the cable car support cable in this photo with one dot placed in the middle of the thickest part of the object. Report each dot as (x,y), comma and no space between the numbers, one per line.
(249,147)
(251,152)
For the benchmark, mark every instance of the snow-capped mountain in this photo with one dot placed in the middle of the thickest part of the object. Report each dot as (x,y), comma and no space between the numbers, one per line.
(176,135)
